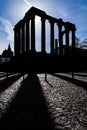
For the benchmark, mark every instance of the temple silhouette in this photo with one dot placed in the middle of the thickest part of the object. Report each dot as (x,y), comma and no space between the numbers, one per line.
(22,32)
(62,56)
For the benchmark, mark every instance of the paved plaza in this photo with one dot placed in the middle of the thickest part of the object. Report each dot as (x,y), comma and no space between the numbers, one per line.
(57,103)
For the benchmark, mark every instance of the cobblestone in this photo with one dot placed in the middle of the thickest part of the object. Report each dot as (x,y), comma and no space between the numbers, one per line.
(67,101)
(7,95)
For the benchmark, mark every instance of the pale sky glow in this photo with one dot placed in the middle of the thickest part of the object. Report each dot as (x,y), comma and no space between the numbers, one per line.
(27,2)
(11,11)
(7,28)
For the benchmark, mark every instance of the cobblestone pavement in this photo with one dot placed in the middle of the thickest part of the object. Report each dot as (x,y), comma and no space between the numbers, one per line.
(7,93)
(66,100)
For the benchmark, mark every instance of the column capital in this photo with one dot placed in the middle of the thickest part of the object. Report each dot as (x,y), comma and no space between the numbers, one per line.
(59,26)
(73,29)
(26,18)
(67,30)
(27,21)
(32,16)
(67,27)
(60,22)
(51,24)
(43,19)
(70,26)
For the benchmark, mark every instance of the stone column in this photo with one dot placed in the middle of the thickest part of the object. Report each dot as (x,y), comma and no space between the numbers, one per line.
(73,49)
(56,46)
(20,40)
(17,41)
(33,33)
(27,36)
(52,36)
(60,35)
(43,35)
(67,39)
(23,39)
(73,42)
(73,36)
(14,42)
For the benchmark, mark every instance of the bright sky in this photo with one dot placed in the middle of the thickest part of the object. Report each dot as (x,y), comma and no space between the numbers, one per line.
(11,11)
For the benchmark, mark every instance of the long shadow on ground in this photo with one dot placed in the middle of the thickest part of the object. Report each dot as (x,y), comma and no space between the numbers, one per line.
(28,110)
(3,74)
(84,75)
(7,82)
(75,81)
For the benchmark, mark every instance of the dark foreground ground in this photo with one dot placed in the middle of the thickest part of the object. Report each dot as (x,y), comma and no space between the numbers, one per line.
(58,103)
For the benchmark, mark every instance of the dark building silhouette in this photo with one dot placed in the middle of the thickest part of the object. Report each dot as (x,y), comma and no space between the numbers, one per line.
(63,56)
(26,58)
(7,53)
(24,42)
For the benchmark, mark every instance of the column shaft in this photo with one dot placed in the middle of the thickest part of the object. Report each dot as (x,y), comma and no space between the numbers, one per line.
(67,41)
(52,36)
(73,42)
(73,38)
(60,35)
(27,36)
(56,46)
(43,35)
(33,33)
(23,41)
(17,41)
